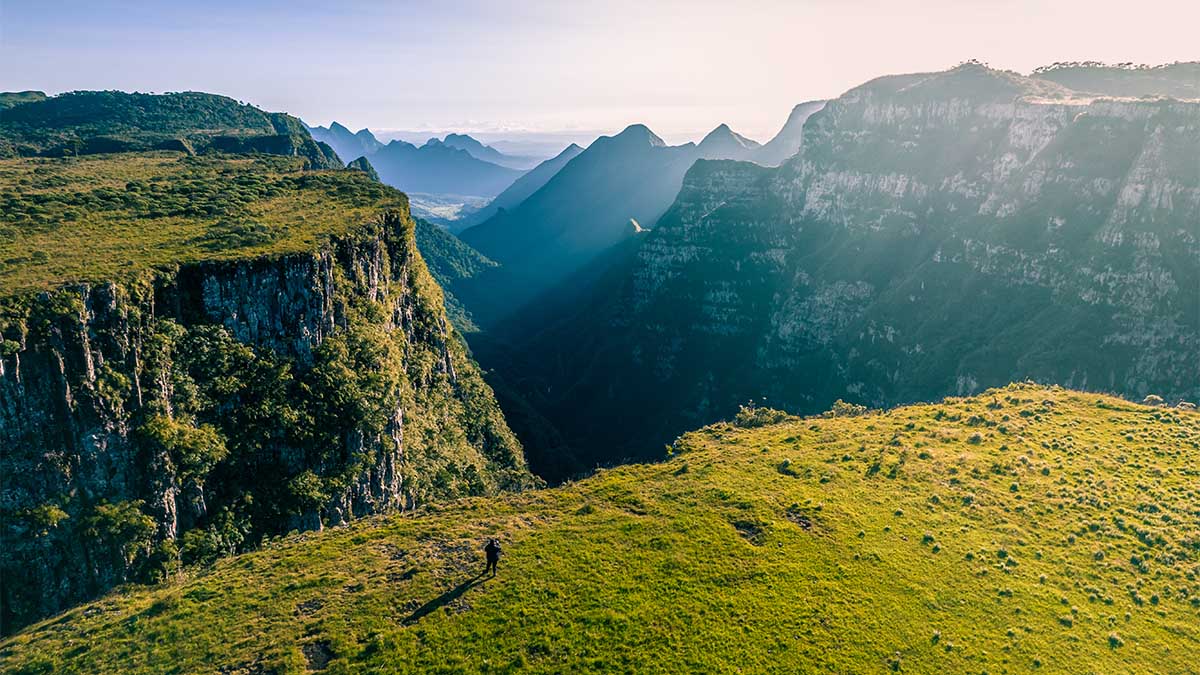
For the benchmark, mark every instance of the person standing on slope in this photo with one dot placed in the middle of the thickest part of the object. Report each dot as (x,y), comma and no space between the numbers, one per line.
(492,550)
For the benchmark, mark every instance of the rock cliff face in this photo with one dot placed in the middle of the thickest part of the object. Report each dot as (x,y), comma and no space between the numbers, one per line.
(188,414)
(937,234)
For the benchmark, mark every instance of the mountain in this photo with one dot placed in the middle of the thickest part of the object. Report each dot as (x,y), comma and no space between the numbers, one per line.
(582,210)
(363,164)
(437,168)
(937,234)
(347,144)
(1027,529)
(1176,80)
(787,142)
(522,188)
(90,122)
(724,143)
(198,353)
(485,152)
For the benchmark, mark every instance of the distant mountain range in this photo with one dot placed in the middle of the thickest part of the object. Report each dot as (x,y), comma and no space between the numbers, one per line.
(444,181)
(437,168)
(457,165)
(486,152)
(616,187)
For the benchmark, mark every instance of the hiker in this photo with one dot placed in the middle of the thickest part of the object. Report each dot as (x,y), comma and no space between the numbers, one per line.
(493,555)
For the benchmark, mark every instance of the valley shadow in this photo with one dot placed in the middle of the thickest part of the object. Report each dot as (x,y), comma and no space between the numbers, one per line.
(445,598)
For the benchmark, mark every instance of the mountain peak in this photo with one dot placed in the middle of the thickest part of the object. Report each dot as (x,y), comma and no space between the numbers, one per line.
(726,142)
(639,133)
(338,128)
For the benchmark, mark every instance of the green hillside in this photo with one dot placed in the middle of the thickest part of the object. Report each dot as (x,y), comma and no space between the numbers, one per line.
(103,217)
(1024,530)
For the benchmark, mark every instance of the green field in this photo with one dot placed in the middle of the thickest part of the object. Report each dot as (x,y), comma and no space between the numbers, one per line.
(1028,529)
(107,217)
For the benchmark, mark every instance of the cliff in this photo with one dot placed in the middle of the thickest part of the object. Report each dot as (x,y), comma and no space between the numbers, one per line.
(937,234)
(179,413)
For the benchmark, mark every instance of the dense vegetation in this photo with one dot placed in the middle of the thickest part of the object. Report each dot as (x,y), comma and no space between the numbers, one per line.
(1024,530)
(91,122)
(105,217)
(451,262)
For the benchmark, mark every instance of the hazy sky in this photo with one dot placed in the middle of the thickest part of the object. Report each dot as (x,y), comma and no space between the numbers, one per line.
(680,67)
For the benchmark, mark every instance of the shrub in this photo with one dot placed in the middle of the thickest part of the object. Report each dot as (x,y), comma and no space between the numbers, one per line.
(842,409)
(750,416)
(122,527)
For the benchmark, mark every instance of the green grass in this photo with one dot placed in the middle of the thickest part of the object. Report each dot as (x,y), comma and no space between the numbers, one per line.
(108,217)
(1025,530)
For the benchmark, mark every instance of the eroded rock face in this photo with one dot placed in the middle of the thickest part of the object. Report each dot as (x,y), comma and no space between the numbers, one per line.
(193,412)
(936,235)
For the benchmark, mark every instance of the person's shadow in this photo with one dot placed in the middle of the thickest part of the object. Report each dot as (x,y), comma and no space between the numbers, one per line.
(445,598)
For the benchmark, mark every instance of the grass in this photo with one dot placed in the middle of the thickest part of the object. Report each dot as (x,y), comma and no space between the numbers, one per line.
(106,217)
(950,556)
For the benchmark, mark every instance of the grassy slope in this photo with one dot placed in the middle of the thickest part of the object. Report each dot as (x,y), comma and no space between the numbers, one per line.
(103,217)
(1063,538)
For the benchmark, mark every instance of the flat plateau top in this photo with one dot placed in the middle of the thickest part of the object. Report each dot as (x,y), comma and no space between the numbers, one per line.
(105,217)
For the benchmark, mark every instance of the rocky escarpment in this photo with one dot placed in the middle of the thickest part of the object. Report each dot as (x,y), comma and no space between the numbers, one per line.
(186,414)
(936,234)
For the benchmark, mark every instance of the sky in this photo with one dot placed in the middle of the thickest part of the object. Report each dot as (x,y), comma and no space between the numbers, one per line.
(558,68)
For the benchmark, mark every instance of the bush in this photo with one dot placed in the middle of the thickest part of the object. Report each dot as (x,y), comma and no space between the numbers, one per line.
(123,527)
(750,416)
(842,409)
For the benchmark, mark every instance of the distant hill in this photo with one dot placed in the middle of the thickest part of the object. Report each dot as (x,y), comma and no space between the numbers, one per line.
(522,188)
(90,122)
(437,168)
(582,210)
(486,152)
(1177,80)
(10,98)
(347,144)
(1025,530)
(787,142)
